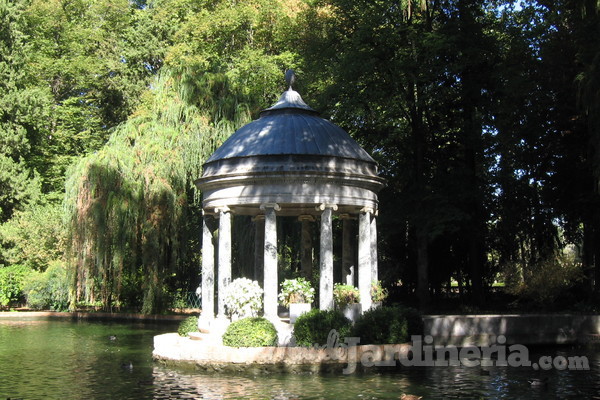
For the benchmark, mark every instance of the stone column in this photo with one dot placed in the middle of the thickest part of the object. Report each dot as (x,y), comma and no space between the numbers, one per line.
(374,263)
(347,250)
(224,256)
(270,260)
(259,247)
(208,269)
(326,257)
(364,257)
(306,261)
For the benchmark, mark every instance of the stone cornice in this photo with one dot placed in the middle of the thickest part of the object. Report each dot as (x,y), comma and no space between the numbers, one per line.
(363,181)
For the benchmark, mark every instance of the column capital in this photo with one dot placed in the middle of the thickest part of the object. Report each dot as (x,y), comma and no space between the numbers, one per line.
(274,206)
(366,210)
(306,217)
(323,206)
(208,213)
(222,209)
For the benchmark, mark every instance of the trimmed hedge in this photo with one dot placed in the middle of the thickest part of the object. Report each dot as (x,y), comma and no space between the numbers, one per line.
(388,325)
(313,327)
(250,332)
(190,324)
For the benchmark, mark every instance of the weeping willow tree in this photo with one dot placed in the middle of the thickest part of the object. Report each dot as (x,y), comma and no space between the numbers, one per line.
(131,206)
(127,204)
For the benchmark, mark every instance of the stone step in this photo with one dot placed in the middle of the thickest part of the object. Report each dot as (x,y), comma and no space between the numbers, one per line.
(198,335)
(203,329)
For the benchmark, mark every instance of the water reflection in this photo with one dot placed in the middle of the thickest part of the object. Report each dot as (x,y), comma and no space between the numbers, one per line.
(53,359)
(431,383)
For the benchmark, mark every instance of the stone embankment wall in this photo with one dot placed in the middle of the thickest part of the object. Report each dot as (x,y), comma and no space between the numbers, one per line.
(94,315)
(526,329)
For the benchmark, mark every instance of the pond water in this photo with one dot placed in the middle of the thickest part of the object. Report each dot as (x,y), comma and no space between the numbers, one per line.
(65,359)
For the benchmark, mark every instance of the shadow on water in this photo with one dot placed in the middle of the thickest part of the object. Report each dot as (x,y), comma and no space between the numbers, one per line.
(64,359)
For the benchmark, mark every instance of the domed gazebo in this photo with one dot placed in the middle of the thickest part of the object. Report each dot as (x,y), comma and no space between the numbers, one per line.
(289,162)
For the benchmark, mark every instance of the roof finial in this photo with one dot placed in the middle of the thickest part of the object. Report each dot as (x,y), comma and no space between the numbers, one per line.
(290,78)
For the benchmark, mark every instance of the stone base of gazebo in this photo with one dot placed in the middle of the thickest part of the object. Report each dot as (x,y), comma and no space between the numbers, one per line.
(211,355)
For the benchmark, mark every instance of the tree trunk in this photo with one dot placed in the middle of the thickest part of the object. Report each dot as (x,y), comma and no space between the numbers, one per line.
(422,270)
(471,136)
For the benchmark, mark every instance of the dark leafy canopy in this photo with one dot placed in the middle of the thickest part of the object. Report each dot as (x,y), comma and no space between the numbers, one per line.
(471,110)
(483,115)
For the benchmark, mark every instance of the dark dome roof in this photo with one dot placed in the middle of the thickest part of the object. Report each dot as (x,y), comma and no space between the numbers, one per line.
(290,127)
(292,157)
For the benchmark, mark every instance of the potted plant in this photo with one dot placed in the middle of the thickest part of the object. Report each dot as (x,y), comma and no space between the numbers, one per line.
(297,294)
(378,293)
(243,298)
(347,299)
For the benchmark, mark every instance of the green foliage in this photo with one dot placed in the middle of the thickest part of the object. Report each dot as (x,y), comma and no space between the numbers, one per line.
(19,105)
(314,326)
(345,294)
(250,332)
(49,289)
(34,237)
(127,207)
(190,324)
(378,292)
(12,280)
(179,299)
(388,325)
(296,290)
(239,49)
(18,187)
(129,211)
(454,102)
(243,298)
(547,279)
(483,118)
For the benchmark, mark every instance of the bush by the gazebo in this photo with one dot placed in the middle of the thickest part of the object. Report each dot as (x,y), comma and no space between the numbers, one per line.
(314,326)
(388,325)
(190,324)
(250,332)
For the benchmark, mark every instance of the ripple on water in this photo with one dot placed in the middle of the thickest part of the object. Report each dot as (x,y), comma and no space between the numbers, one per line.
(76,360)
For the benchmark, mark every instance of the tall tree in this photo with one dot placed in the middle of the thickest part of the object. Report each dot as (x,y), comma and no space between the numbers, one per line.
(21,109)
(131,214)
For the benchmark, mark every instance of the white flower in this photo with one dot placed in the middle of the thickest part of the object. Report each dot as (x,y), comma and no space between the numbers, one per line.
(243,298)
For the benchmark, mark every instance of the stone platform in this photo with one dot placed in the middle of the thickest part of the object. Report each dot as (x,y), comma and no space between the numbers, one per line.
(206,351)
(209,354)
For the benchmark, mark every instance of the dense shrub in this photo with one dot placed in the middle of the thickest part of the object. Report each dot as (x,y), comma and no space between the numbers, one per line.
(545,280)
(314,326)
(250,332)
(388,325)
(190,324)
(12,280)
(49,289)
